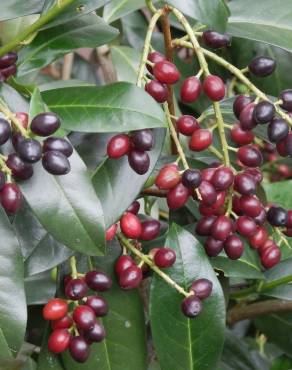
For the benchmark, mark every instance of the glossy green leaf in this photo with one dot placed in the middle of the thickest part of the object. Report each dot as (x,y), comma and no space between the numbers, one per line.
(182,343)
(5,353)
(268,21)
(281,270)
(12,297)
(67,203)
(241,268)
(282,363)
(116,9)
(126,61)
(15,8)
(39,288)
(111,108)
(111,174)
(36,104)
(49,45)
(277,193)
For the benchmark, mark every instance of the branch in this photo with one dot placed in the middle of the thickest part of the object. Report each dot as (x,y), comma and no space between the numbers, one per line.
(154,192)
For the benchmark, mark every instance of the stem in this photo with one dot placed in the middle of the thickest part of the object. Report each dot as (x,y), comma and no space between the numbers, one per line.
(29,31)
(150,6)
(149,262)
(4,167)
(221,131)
(74,272)
(12,118)
(154,192)
(216,152)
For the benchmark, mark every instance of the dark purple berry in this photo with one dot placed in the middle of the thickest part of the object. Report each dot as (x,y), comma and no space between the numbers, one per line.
(191,306)
(202,288)
(98,304)
(191,178)
(95,334)
(216,40)
(264,112)
(286,97)
(139,161)
(56,163)
(262,66)
(233,247)
(278,130)
(244,184)
(204,225)
(150,229)
(98,280)
(79,349)
(239,103)
(213,246)
(58,144)
(5,131)
(8,59)
(277,216)
(19,168)
(45,124)
(143,139)
(76,289)
(29,150)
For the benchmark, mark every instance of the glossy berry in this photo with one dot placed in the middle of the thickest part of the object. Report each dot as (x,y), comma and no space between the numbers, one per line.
(58,144)
(271,257)
(22,118)
(7,72)
(134,207)
(223,178)
(98,304)
(19,168)
(130,278)
(56,163)
(123,263)
(239,103)
(216,40)
(118,146)
(167,178)
(288,144)
(76,289)
(286,97)
(244,184)
(221,228)
(45,124)
(246,226)
(11,198)
(139,161)
(5,131)
(55,309)
(208,173)
(84,317)
(157,90)
(2,180)
(79,349)
(191,306)
(200,140)
(186,125)
(59,341)
(214,88)
(150,229)
(262,66)
(208,193)
(263,112)
(278,130)
(246,117)
(98,280)
(164,257)
(259,238)
(240,136)
(289,219)
(29,150)
(64,323)
(166,72)
(111,232)
(261,218)
(267,245)
(204,225)
(143,139)
(8,59)
(202,288)
(233,247)
(191,178)
(154,57)
(190,90)
(277,216)
(216,208)
(96,334)
(255,173)
(177,196)
(250,205)
(131,226)
(250,155)
(213,246)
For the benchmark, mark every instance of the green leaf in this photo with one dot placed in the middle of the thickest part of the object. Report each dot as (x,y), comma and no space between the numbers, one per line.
(37,104)
(182,343)
(116,9)
(126,61)
(67,202)
(268,21)
(277,193)
(15,8)
(13,305)
(5,353)
(282,363)
(49,45)
(281,270)
(39,288)
(110,176)
(47,360)
(241,268)
(112,108)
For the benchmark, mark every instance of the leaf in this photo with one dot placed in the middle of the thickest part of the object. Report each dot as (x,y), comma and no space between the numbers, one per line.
(13,305)
(116,9)
(237,269)
(267,21)
(47,360)
(110,176)
(12,28)
(67,203)
(15,8)
(277,193)
(281,270)
(39,288)
(36,104)
(49,45)
(182,343)
(282,363)
(112,108)
(5,353)
(126,61)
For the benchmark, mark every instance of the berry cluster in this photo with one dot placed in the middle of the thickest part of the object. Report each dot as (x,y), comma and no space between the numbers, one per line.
(75,325)
(8,66)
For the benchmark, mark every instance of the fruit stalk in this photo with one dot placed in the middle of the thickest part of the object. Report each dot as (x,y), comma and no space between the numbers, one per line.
(12,118)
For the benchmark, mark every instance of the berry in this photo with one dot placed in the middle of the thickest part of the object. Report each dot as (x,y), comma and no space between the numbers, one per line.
(134,207)
(19,168)
(79,349)
(177,196)
(233,247)
(208,173)
(29,150)
(167,178)
(244,184)
(278,130)
(164,257)
(200,140)
(84,317)
(246,119)
(98,304)
(96,334)
(45,124)
(59,341)
(261,218)
(277,216)
(23,119)
(191,306)
(289,219)
(262,66)
(11,197)
(58,144)
(255,173)
(166,72)
(191,178)
(76,289)
(250,156)
(215,40)
(259,238)
(250,205)
(263,112)
(214,88)
(246,226)
(221,228)
(190,90)
(202,288)
(98,280)
(240,136)
(118,146)
(7,72)
(64,323)
(216,208)
(123,263)
(187,125)
(208,193)
(55,309)
(157,90)
(223,178)
(239,103)
(286,97)
(131,226)
(130,278)
(111,232)
(2,180)
(5,131)
(8,59)
(204,225)
(139,161)
(150,229)
(56,163)
(271,257)
(213,246)
(143,139)
(154,57)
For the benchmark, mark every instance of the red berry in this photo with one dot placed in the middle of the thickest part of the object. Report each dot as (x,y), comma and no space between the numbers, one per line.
(233,247)
(250,155)
(164,257)
(186,125)
(191,306)
(166,72)
(130,278)
(177,196)
(204,225)
(202,288)
(76,289)
(240,136)
(222,178)
(261,218)
(79,349)
(55,309)
(118,146)
(221,228)
(123,263)
(11,197)
(289,219)
(168,177)
(244,184)
(200,140)
(208,193)
(190,90)
(131,225)
(111,232)
(214,88)
(134,207)
(157,90)
(23,118)
(98,304)
(64,323)
(255,173)
(59,340)
(84,317)
(208,173)
(213,246)
(271,257)
(154,57)
(250,205)
(259,238)
(98,280)
(246,117)
(96,334)
(150,229)
(240,102)
(246,226)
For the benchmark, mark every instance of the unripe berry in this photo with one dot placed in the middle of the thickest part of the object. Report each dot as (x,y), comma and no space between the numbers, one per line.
(55,309)
(64,323)
(250,205)
(150,229)
(11,198)
(187,125)
(250,156)
(214,88)
(233,247)
(164,257)
(111,232)
(118,146)
(130,278)
(134,207)
(84,317)
(246,226)
(240,136)
(166,72)
(208,193)
(271,257)
(221,228)
(59,341)
(123,263)
(177,196)
(157,90)
(204,225)
(167,178)
(200,140)
(259,238)
(190,90)
(223,178)
(246,119)
(202,288)
(154,57)
(131,226)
